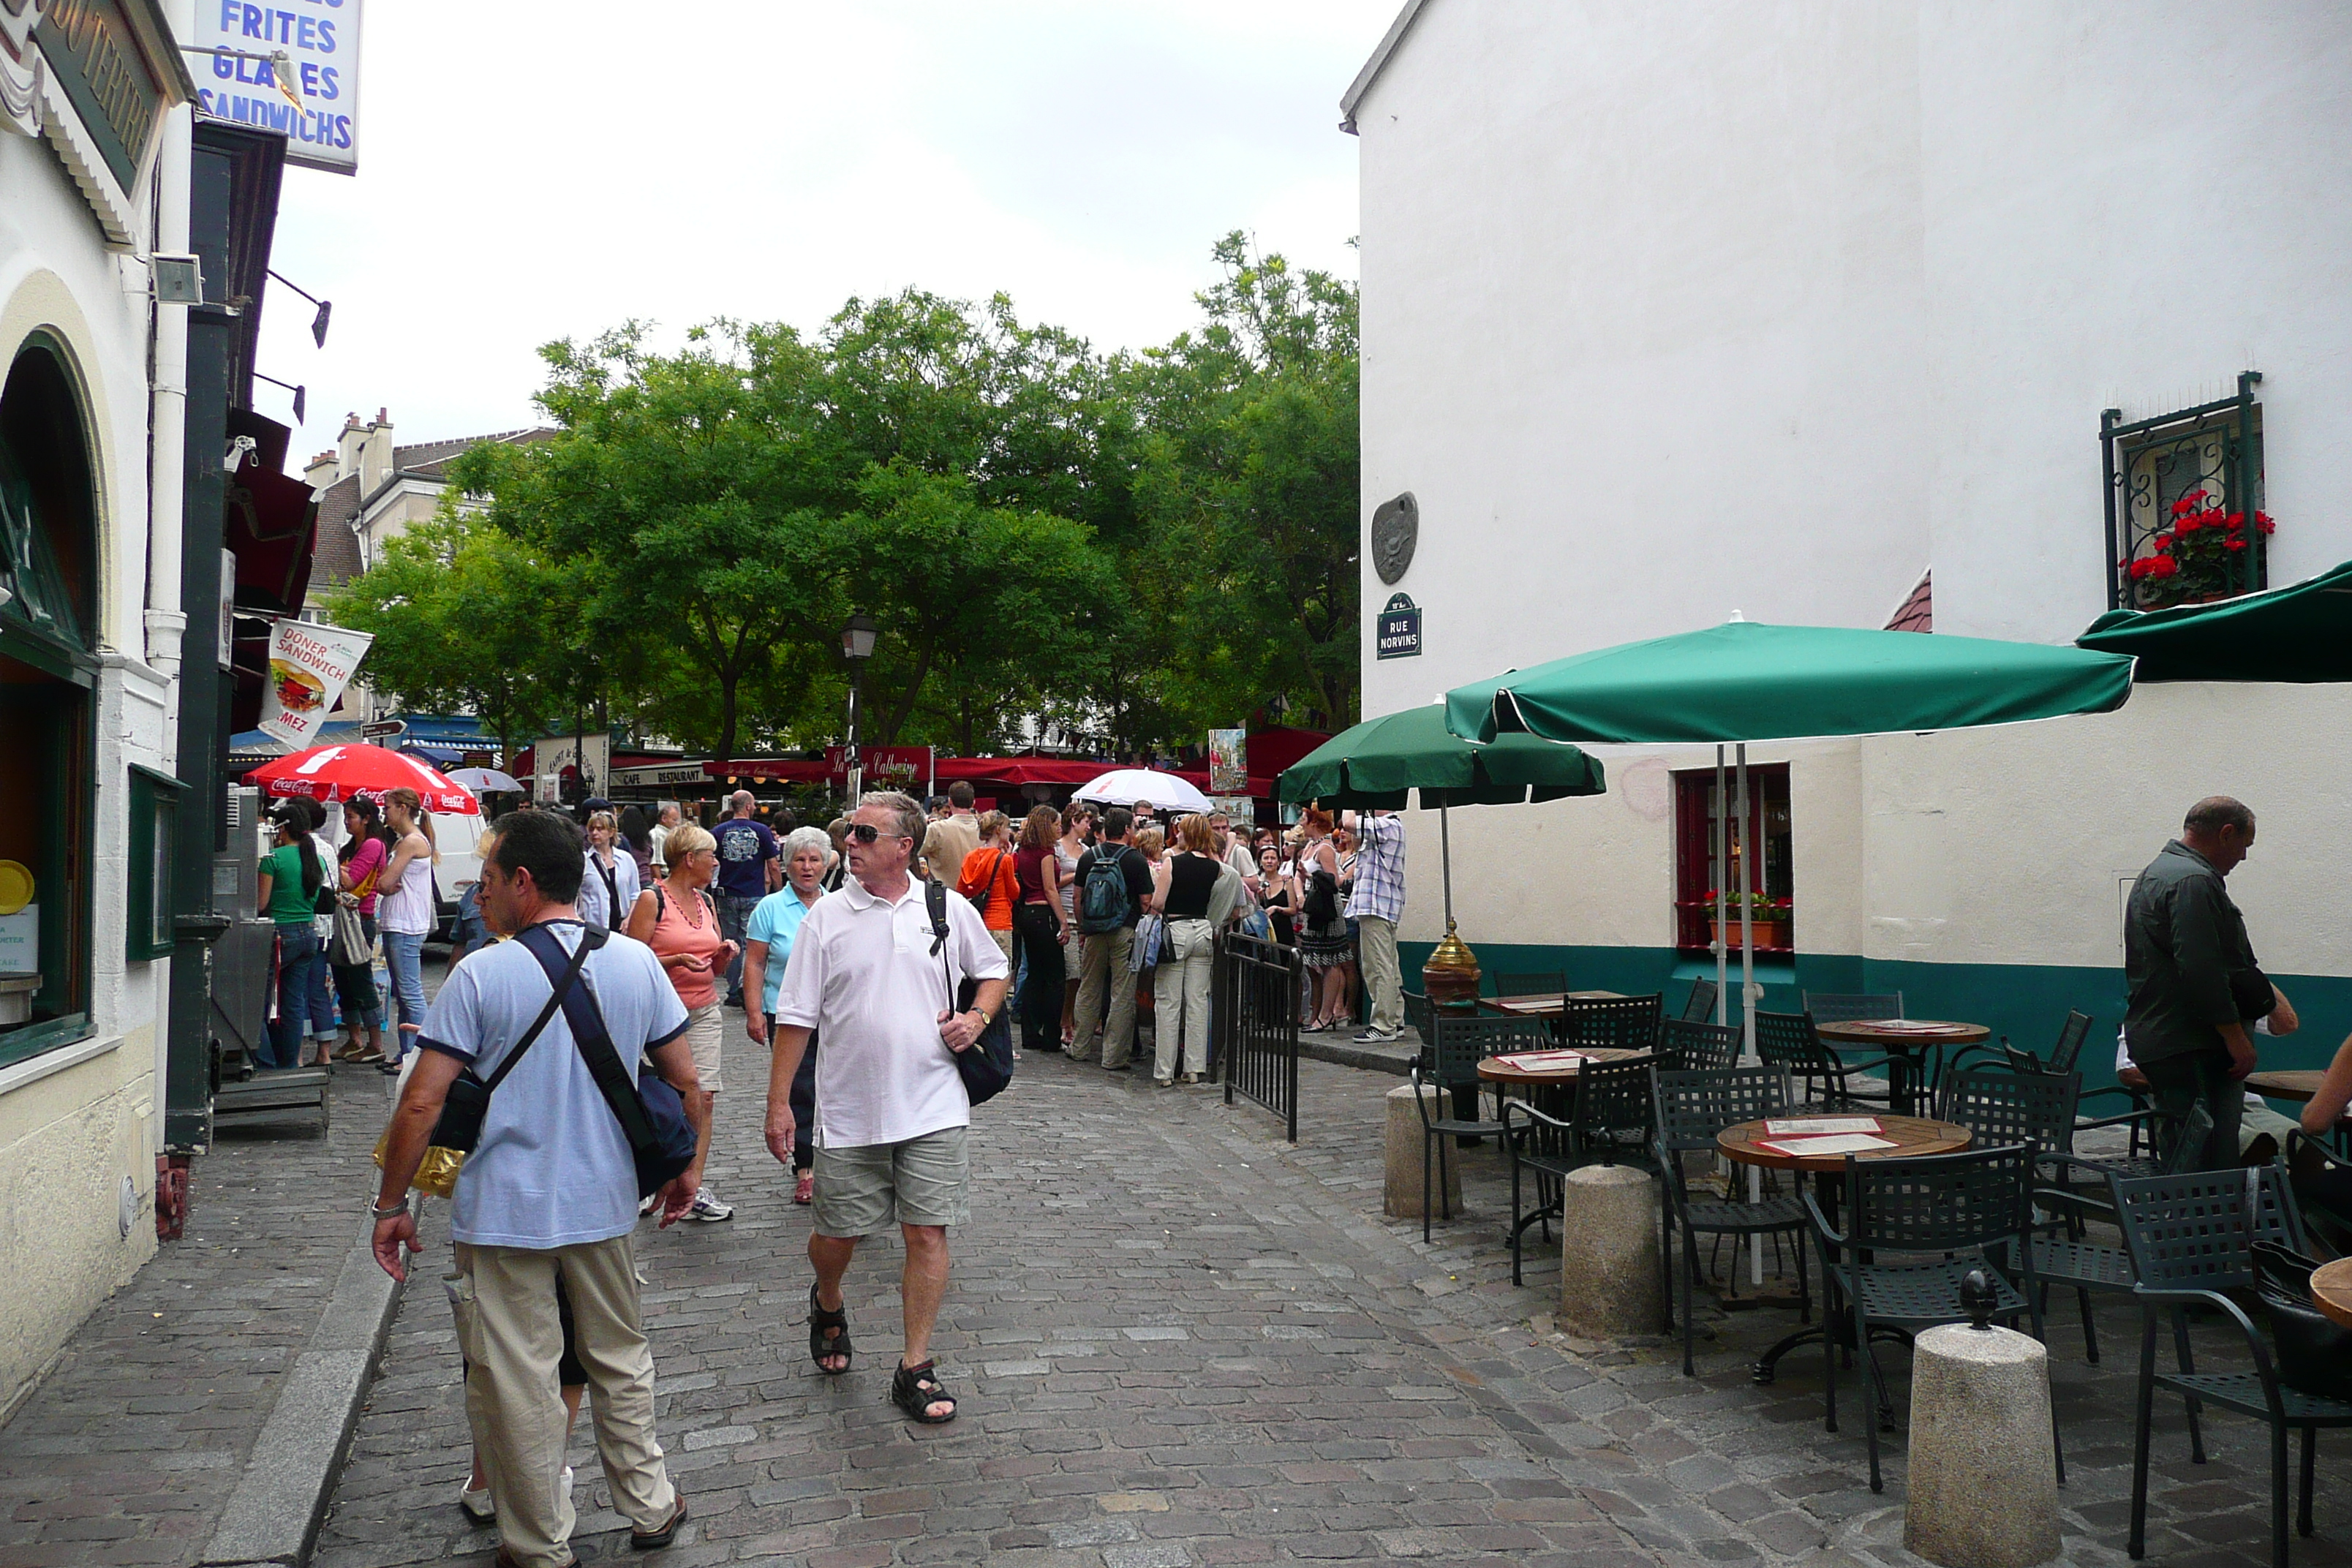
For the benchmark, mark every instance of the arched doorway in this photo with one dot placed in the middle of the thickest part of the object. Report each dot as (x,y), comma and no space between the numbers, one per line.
(49,565)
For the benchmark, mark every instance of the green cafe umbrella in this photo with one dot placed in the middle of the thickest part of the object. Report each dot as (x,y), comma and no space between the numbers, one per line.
(1376,764)
(2302,632)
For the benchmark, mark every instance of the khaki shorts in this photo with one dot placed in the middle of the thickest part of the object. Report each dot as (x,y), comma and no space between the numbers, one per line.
(923,1181)
(706,1037)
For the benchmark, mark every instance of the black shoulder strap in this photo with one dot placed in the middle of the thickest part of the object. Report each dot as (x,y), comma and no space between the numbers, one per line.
(935,900)
(595,1043)
(560,980)
(661,904)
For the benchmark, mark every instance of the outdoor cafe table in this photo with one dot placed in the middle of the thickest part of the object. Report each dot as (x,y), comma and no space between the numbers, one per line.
(1905,1039)
(2299,1084)
(1544,1005)
(1548,1089)
(2331,1289)
(1911,1135)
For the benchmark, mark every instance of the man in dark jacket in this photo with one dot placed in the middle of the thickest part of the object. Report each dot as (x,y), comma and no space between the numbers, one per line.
(2184,942)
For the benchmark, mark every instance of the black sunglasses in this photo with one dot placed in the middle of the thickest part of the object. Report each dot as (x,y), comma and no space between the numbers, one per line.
(866,833)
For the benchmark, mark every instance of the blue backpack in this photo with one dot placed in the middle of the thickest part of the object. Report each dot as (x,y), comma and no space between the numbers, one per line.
(1102,901)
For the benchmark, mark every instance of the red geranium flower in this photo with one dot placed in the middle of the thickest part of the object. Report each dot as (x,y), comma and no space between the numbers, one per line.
(2164,566)
(2233,544)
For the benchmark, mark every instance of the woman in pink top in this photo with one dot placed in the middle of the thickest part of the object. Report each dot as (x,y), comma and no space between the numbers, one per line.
(677,919)
(363,857)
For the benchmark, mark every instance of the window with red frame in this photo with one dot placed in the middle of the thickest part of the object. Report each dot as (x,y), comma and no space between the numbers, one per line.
(1759,855)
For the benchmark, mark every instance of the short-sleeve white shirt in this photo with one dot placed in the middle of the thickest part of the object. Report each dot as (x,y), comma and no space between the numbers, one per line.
(863,974)
(553,1168)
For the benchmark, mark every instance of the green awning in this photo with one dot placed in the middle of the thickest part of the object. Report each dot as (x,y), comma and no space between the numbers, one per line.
(2302,632)
(1749,681)
(1375,764)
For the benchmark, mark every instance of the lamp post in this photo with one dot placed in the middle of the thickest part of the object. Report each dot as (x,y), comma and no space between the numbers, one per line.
(857,646)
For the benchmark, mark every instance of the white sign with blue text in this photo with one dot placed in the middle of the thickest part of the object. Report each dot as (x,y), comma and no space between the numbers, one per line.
(236,78)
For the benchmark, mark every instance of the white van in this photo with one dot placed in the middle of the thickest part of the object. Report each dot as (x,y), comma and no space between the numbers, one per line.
(457,837)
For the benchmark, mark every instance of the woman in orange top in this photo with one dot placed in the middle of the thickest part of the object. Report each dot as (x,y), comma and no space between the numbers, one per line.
(677,919)
(988,879)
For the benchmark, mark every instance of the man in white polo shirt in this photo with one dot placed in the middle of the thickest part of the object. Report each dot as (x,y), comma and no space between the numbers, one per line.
(868,973)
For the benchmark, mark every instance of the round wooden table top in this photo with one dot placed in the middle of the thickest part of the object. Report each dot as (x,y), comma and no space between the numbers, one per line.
(2294,1083)
(2331,1289)
(1495,1069)
(1901,1032)
(1910,1135)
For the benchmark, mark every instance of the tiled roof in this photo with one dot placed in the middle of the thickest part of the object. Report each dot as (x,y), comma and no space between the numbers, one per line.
(337,558)
(432,458)
(1918,613)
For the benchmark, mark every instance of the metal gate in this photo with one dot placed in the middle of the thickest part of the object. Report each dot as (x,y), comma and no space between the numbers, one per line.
(1255,1006)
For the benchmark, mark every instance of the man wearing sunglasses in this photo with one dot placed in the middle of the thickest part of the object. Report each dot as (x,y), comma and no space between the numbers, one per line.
(868,973)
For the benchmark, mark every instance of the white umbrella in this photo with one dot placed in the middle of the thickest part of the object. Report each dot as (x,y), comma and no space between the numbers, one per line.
(483,779)
(1124,786)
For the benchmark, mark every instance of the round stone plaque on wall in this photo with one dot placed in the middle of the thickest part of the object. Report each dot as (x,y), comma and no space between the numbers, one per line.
(1396,529)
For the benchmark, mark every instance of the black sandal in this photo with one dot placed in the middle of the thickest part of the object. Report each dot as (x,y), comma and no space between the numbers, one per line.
(915,1389)
(828,1336)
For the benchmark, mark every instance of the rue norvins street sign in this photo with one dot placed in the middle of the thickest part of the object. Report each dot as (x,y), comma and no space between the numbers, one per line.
(1399,632)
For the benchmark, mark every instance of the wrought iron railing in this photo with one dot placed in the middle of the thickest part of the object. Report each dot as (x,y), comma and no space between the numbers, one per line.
(1255,1008)
(2201,466)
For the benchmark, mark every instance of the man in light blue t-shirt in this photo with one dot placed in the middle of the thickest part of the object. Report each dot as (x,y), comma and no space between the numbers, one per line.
(549,1192)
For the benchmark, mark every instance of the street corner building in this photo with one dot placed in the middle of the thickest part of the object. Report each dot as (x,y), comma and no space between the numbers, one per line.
(1854,314)
(133,244)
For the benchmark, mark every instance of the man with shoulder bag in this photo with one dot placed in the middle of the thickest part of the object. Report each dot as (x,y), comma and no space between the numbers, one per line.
(1113,882)
(548,1190)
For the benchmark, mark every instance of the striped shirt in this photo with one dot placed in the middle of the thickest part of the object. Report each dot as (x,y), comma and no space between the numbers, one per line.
(1380,869)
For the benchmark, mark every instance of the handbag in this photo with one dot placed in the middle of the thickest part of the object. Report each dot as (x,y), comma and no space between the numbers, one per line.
(459,1127)
(652,1113)
(349,947)
(1150,931)
(985,1065)
(2315,1353)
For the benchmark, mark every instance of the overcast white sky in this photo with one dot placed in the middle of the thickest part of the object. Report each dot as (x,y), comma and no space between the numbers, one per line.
(530,170)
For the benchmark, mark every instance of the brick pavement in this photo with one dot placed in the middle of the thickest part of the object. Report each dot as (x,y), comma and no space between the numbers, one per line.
(126,1451)
(1179,1342)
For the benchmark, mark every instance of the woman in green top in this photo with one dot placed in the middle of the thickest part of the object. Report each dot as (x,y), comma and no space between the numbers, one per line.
(291,876)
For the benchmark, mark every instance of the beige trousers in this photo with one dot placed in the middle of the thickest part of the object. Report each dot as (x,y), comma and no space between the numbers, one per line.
(1107,968)
(1376,950)
(1179,998)
(504,1300)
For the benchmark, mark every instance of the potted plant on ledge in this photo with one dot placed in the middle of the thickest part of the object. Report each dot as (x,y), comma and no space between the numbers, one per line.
(2201,557)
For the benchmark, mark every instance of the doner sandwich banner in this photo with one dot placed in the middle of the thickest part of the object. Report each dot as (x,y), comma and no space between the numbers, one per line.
(310,664)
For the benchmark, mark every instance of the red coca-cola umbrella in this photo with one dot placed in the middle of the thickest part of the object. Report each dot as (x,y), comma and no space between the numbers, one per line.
(339,773)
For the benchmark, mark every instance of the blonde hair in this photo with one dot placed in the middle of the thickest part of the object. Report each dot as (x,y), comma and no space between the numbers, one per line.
(685,839)
(993,823)
(1195,833)
(409,801)
(605,820)
(1149,840)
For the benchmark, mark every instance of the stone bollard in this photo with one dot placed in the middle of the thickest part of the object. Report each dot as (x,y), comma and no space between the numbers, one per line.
(1609,1284)
(1400,1188)
(1983,1489)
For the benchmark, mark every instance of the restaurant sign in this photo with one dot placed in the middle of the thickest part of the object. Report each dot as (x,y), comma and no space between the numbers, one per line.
(316,108)
(1399,628)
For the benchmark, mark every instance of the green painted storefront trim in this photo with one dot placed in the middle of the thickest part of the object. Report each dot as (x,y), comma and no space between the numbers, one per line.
(2025,1001)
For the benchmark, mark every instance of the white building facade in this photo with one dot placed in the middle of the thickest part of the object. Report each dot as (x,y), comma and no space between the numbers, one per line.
(93,144)
(1686,310)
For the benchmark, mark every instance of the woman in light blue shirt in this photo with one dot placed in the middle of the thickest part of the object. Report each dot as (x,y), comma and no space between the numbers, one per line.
(808,853)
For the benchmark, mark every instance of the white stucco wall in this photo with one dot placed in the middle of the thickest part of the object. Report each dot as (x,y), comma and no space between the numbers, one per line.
(1692,308)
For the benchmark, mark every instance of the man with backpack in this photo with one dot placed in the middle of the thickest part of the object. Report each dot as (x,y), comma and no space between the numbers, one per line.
(549,1191)
(1113,881)
(876,969)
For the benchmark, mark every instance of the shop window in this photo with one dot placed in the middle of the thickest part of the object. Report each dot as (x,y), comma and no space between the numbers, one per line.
(47,670)
(154,805)
(1759,858)
(2185,522)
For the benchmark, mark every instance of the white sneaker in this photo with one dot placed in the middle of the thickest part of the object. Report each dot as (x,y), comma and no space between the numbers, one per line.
(651,1202)
(708,1209)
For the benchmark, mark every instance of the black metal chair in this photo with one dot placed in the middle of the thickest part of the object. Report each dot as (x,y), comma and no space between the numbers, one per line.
(1787,1041)
(1688,1045)
(1449,1062)
(1699,1006)
(1842,1006)
(1531,983)
(1416,1013)
(1691,1109)
(1608,1124)
(2191,1239)
(1914,1229)
(1608,1023)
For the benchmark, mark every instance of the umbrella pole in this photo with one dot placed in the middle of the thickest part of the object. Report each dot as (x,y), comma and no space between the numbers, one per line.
(1445,858)
(1722,882)
(1748,991)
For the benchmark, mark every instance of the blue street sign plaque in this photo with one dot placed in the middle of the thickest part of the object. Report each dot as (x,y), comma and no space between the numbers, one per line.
(1399,628)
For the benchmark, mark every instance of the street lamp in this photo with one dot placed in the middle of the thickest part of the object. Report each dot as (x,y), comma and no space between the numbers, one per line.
(857,646)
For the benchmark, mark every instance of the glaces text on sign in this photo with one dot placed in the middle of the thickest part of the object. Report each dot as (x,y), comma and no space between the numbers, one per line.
(1399,632)
(322,39)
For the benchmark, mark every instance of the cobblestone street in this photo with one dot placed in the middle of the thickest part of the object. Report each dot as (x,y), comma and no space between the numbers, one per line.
(1178,1341)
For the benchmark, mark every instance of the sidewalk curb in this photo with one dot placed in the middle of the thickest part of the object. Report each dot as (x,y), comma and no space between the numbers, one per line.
(274,1513)
(1395,1058)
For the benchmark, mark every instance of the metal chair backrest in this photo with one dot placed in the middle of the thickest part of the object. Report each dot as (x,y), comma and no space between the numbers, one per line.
(2188,1146)
(1839,1006)
(2197,1231)
(1693,1106)
(1459,1041)
(1416,1013)
(1938,1202)
(1531,983)
(1605,1023)
(2000,1108)
(1615,1104)
(1689,1044)
(1787,1041)
(2062,1054)
(1699,1006)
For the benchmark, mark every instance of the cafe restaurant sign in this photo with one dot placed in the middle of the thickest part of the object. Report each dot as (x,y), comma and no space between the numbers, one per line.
(95,76)
(1399,635)
(320,41)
